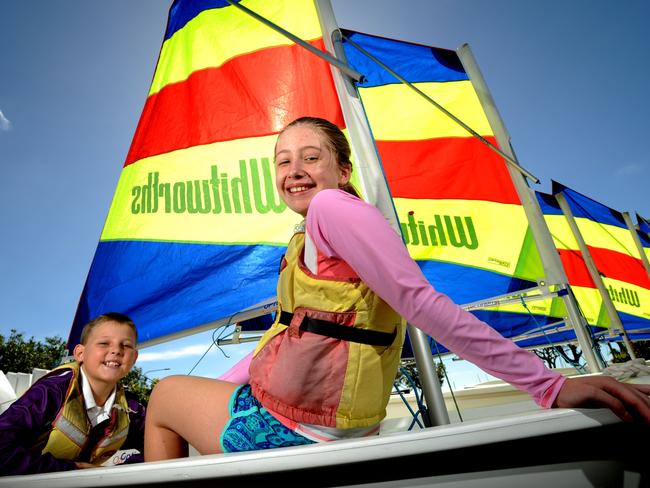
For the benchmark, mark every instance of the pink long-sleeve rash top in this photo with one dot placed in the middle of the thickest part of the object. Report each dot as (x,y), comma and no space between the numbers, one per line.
(340,225)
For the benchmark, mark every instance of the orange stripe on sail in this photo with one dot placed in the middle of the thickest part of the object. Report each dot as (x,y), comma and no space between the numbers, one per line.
(450,168)
(273,98)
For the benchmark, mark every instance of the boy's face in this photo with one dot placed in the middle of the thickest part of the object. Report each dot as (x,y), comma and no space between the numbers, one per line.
(109,353)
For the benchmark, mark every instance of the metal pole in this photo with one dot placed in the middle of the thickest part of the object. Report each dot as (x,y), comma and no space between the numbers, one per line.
(593,271)
(355,75)
(553,270)
(507,157)
(363,145)
(637,241)
(436,413)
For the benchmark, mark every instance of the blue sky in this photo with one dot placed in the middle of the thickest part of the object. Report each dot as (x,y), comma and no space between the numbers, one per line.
(569,79)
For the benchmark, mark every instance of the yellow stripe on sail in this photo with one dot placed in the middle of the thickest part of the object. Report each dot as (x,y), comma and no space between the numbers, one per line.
(561,232)
(413,118)
(594,233)
(217,35)
(215,193)
(628,298)
(591,305)
(606,236)
(540,307)
(550,307)
(463,231)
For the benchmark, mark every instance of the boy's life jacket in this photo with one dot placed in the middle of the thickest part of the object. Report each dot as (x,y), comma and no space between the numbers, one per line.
(331,356)
(71,427)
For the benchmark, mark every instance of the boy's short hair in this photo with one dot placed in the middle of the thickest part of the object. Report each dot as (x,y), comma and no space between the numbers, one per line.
(109,316)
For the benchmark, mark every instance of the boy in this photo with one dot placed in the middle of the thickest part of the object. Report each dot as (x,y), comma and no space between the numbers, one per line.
(77,416)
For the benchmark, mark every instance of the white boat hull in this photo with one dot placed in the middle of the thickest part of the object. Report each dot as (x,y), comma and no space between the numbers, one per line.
(556,448)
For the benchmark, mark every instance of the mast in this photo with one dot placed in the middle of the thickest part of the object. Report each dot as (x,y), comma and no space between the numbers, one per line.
(594,273)
(553,270)
(376,191)
(637,241)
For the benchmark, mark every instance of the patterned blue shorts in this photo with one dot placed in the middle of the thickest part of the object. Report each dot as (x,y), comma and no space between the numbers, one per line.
(251,427)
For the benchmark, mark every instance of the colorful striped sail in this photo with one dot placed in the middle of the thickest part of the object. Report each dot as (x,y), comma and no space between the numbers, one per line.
(196,229)
(643,231)
(583,286)
(615,255)
(458,208)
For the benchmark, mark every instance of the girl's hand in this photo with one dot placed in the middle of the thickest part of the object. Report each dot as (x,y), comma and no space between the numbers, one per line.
(82,465)
(628,401)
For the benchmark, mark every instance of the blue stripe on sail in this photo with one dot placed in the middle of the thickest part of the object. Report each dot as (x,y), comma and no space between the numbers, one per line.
(644,225)
(512,324)
(582,206)
(548,204)
(182,11)
(414,62)
(633,322)
(548,339)
(464,284)
(170,287)
(644,238)
(632,336)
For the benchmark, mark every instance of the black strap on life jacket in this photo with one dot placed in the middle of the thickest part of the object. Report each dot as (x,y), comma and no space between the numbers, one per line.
(338,331)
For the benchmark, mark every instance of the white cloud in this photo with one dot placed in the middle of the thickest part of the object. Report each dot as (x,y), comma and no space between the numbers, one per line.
(183,352)
(630,169)
(4,122)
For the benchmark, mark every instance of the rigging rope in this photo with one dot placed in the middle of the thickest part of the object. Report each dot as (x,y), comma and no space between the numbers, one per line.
(578,367)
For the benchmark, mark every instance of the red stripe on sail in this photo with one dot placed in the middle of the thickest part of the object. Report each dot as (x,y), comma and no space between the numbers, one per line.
(212,105)
(618,266)
(575,268)
(453,167)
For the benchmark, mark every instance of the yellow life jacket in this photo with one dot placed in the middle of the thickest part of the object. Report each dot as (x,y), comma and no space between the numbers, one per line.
(71,426)
(331,356)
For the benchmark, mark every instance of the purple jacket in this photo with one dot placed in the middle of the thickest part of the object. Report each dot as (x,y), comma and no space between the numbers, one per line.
(32,414)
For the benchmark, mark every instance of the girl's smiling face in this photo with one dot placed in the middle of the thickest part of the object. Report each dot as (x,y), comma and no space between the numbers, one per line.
(305,165)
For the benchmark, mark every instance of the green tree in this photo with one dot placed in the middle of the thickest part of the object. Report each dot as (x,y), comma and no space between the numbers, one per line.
(408,377)
(642,349)
(22,355)
(622,355)
(139,385)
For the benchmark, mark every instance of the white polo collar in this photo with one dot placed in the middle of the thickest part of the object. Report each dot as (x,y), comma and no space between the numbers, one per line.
(96,414)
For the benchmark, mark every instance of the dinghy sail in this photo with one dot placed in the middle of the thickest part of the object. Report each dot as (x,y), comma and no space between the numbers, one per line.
(614,262)
(196,229)
(465,212)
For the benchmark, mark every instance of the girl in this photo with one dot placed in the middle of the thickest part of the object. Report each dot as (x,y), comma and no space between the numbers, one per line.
(325,369)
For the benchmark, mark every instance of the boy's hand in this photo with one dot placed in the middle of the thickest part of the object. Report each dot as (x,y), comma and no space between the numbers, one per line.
(82,465)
